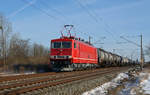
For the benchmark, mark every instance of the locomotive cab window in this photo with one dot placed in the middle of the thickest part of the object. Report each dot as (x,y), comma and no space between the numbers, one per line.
(56,45)
(75,45)
(66,44)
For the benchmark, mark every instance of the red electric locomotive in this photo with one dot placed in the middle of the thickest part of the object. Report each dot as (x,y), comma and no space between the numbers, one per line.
(69,53)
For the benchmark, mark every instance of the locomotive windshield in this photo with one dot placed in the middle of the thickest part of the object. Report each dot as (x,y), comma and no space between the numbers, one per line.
(56,45)
(66,44)
(61,45)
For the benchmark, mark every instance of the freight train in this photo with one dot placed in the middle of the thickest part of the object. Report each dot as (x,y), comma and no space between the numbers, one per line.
(69,53)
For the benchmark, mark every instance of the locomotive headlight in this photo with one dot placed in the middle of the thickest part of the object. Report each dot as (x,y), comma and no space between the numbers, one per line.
(69,56)
(51,56)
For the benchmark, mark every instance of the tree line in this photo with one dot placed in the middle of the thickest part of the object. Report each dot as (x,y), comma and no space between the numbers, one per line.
(16,50)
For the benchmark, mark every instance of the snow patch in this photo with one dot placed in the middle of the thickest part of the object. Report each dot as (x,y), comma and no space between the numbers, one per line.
(132,92)
(145,84)
(103,89)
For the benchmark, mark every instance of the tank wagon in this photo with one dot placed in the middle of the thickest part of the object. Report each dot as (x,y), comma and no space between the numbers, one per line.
(69,53)
(108,59)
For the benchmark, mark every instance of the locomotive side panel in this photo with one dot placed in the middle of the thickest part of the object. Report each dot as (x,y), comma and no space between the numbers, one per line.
(84,53)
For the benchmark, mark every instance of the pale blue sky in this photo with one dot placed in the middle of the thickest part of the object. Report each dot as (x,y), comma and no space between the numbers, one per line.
(109,18)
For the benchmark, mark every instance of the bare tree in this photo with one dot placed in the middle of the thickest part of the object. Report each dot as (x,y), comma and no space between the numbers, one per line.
(5,29)
(18,50)
(38,54)
(39,50)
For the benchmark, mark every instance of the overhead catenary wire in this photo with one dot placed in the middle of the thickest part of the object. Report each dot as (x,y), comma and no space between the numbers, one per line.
(43,11)
(59,13)
(99,41)
(47,13)
(99,18)
(131,41)
(42,2)
(96,18)
(88,12)
(141,46)
(21,9)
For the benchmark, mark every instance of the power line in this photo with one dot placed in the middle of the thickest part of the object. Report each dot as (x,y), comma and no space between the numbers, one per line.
(88,12)
(130,41)
(43,11)
(58,12)
(53,9)
(94,17)
(22,8)
(99,41)
(61,14)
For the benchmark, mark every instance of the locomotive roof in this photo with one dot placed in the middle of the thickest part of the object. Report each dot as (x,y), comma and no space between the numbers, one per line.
(72,38)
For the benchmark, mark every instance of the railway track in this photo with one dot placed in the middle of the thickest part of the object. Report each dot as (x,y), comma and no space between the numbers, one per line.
(19,77)
(50,80)
(9,80)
